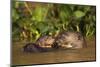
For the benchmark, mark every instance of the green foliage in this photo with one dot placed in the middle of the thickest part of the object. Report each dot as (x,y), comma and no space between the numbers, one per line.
(79,14)
(32,20)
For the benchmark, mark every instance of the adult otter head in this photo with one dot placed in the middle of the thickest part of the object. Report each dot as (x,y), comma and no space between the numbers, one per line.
(72,40)
(45,41)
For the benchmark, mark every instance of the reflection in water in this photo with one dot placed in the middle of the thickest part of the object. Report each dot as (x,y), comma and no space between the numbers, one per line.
(69,55)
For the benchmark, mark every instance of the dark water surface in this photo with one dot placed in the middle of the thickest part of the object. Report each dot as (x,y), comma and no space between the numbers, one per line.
(69,55)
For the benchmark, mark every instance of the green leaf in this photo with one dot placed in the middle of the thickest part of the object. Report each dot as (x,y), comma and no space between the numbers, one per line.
(79,14)
(39,13)
(94,18)
(15,16)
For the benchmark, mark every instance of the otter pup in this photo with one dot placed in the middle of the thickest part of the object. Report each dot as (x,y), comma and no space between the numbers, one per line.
(72,40)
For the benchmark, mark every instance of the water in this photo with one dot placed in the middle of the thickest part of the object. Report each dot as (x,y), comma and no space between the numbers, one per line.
(69,55)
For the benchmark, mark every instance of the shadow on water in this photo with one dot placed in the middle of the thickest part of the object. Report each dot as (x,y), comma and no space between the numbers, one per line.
(69,55)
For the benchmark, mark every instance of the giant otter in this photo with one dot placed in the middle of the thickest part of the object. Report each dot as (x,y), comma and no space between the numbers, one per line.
(72,40)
